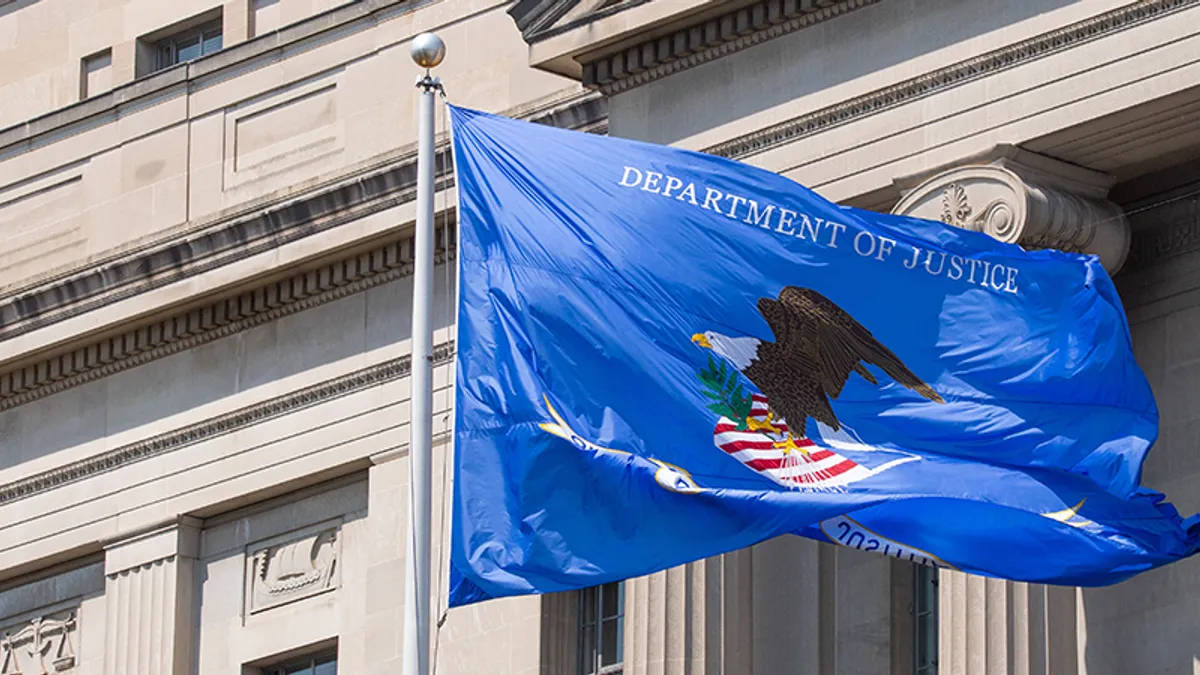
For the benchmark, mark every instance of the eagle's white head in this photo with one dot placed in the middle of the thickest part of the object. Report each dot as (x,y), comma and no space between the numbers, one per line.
(739,351)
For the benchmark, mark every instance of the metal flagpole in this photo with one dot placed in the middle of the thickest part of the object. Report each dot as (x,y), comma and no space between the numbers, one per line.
(427,51)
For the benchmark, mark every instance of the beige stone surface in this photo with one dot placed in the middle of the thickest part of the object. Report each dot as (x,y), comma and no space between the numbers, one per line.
(174,156)
(271,518)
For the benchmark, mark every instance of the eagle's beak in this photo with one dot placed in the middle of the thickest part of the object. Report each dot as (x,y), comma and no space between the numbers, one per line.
(702,341)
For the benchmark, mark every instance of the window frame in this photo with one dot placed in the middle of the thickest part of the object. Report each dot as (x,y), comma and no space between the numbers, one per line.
(925,619)
(310,661)
(591,660)
(166,50)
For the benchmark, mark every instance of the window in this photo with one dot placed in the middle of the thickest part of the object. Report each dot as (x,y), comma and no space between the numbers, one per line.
(925,620)
(188,45)
(323,664)
(602,629)
(95,74)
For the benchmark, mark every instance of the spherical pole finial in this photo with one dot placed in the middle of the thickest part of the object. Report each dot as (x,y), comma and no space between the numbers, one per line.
(428,50)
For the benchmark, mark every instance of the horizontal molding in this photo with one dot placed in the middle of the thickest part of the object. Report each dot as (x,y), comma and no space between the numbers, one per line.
(390,183)
(940,80)
(692,46)
(1167,231)
(218,319)
(349,18)
(217,426)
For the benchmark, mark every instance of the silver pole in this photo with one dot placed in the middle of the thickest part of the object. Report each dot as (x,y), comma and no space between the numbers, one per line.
(428,51)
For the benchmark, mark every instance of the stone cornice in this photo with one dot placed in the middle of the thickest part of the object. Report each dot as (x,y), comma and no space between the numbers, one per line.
(720,36)
(390,182)
(218,319)
(220,244)
(216,426)
(942,79)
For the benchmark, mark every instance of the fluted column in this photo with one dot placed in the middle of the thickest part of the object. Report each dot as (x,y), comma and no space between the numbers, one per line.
(148,592)
(674,618)
(994,627)
(1024,198)
(771,608)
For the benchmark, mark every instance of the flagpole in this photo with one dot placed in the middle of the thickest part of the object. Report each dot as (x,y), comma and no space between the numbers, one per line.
(427,51)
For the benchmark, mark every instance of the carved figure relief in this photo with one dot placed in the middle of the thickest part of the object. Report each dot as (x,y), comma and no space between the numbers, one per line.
(44,646)
(293,570)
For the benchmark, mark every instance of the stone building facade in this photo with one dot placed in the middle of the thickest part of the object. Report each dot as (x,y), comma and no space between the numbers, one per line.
(205,253)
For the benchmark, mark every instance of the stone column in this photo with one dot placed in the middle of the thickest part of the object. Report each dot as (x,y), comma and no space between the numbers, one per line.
(990,626)
(149,588)
(995,627)
(673,620)
(1024,198)
(770,608)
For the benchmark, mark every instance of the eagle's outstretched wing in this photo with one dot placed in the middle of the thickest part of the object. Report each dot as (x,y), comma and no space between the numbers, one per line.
(812,332)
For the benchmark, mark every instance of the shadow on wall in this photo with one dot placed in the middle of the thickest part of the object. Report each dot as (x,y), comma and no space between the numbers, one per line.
(10,6)
(808,61)
(1150,625)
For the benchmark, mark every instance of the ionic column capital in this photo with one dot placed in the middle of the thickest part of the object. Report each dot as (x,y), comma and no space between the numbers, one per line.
(1023,198)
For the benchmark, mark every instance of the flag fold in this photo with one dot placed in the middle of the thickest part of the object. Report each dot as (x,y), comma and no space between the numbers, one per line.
(665,355)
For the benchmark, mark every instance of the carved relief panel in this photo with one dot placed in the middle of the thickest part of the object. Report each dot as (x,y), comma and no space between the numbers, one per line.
(293,567)
(42,645)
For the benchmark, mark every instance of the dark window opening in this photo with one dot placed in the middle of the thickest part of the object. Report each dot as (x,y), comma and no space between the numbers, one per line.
(925,620)
(321,664)
(602,629)
(188,45)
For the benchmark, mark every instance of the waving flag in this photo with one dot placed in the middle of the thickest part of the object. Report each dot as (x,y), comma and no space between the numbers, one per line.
(665,355)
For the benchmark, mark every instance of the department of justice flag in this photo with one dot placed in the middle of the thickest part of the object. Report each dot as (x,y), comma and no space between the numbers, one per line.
(665,355)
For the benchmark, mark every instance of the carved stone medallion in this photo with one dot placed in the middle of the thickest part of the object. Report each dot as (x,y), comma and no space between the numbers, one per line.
(293,569)
(43,645)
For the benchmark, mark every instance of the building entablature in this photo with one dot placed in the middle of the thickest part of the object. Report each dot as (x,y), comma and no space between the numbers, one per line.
(614,46)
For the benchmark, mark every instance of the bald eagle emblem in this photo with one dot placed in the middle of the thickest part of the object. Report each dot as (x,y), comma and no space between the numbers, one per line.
(817,347)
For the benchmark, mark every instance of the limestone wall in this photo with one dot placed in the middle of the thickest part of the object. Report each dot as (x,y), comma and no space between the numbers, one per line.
(229,133)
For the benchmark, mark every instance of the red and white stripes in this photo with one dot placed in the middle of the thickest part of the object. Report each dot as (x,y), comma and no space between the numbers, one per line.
(764,448)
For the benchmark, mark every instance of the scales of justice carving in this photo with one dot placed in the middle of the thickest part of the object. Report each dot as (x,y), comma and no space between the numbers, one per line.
(44,646)
(294,570)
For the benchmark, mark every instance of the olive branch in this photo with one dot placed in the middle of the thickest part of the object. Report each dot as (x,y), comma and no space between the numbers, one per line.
(729,398)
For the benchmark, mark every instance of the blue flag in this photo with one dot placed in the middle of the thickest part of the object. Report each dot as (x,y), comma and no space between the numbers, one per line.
(664,355)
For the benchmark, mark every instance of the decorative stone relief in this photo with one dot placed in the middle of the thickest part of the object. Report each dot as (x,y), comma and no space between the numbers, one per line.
(1023,198)
(294,569)
(44,645)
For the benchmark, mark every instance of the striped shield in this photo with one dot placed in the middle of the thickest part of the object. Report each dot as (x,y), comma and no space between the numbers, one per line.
(763,447)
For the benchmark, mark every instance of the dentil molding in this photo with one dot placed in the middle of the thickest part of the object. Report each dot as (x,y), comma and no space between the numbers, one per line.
(1020,197)
(228,423)
(218,319)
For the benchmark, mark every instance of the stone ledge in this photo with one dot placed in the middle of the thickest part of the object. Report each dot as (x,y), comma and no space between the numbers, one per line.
(390,182)
(217,319)
(223,424)
(940,80)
